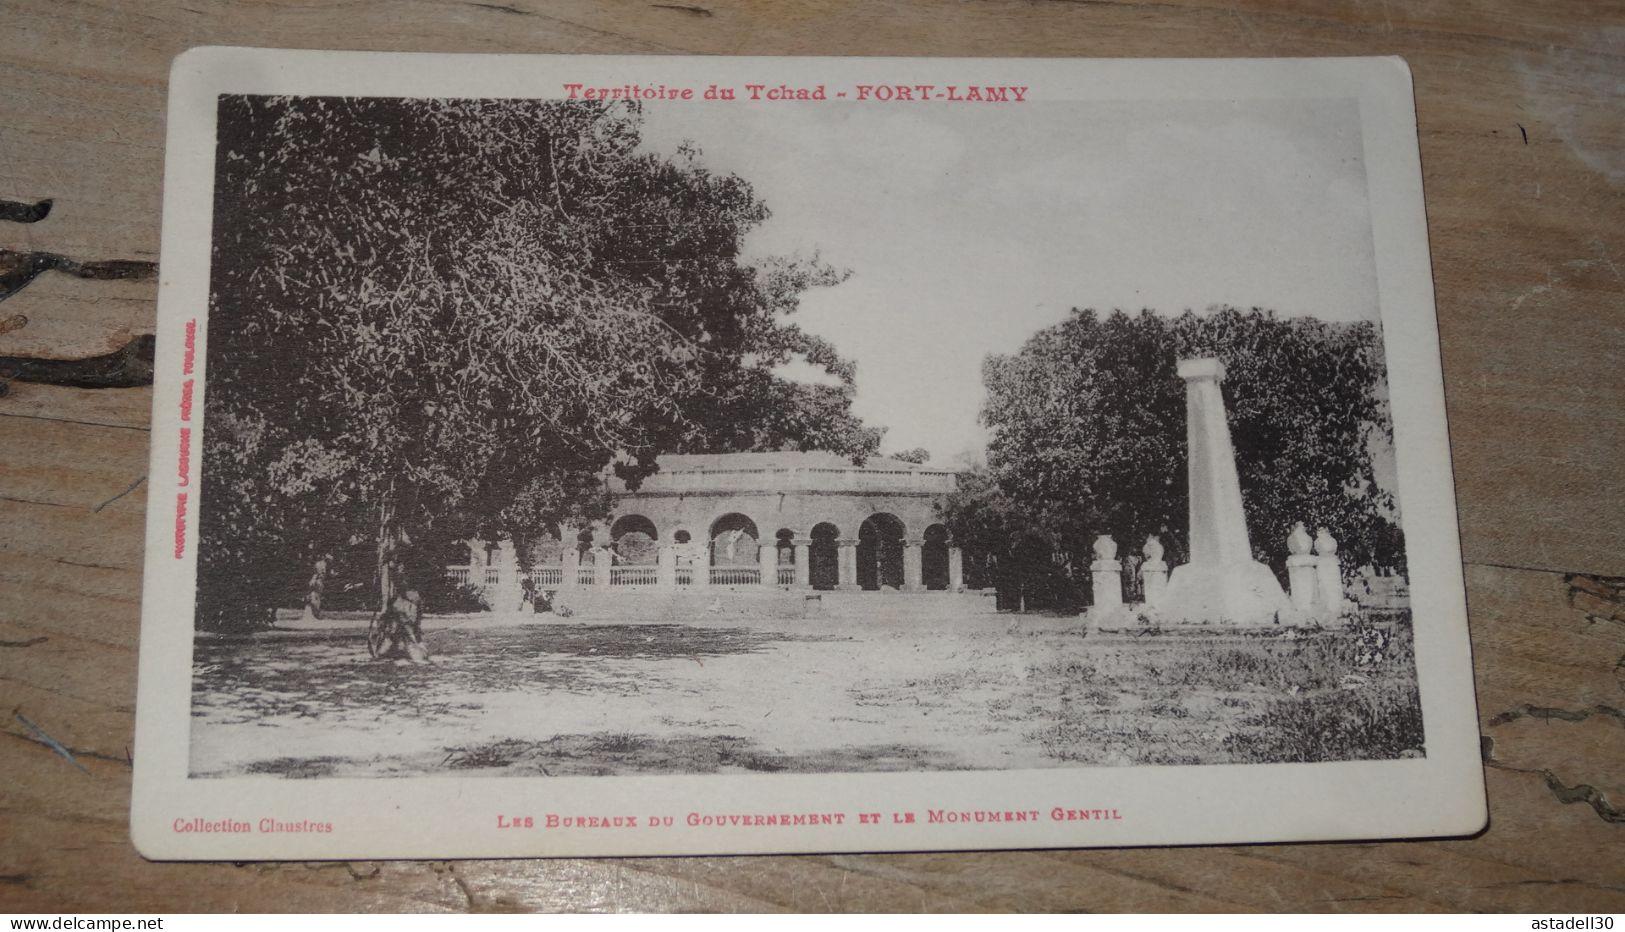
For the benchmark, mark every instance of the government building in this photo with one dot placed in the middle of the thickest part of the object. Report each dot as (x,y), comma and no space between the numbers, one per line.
(787,520)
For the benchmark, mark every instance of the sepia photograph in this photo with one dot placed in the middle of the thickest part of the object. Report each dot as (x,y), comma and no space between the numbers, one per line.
(857,429)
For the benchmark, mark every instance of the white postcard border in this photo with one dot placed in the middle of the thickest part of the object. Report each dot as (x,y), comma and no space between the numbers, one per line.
(1441,794)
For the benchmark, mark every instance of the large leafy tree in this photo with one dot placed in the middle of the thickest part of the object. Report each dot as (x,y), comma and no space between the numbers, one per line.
(1087,427)
(1007,545)
(435,317)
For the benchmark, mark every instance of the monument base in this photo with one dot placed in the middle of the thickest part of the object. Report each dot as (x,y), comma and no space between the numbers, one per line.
(1237,594)
(1111,617)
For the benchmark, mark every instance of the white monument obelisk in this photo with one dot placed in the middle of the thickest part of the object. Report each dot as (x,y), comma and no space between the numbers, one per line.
(1222,583)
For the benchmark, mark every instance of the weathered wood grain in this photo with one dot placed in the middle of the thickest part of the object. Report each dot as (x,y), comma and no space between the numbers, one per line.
(1522,120)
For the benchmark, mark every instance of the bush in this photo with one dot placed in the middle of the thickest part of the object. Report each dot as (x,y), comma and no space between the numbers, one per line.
(444,595)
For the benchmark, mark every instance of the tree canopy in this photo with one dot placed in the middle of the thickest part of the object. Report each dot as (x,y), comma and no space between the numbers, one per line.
(449,316)
(1087,425)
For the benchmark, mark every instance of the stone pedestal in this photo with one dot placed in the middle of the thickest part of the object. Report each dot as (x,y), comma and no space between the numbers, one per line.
(767,557)
(1329,575)
(1329,600)
(1107,576)
(602,560)
(700,565)
(956,569)
(1245,594)
(1222,583)
(1154,579)
(571,576)
(847,565)
(476,563)
(803,547)
(505,596)
(1301,569)
(913,566)
(1329,582)
(1153,571)
(666,567)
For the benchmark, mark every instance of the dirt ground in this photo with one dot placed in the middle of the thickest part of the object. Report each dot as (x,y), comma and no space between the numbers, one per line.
(566,697)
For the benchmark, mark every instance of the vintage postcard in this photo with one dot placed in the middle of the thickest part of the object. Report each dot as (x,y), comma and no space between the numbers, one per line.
(609,456)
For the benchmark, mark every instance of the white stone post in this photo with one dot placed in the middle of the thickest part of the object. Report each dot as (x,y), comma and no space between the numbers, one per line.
(913,565)
(602,559)
(1107,574)
(1154,571)
(767,558)
(1329,574)
(1222,583)
(956,569)
(506,595)
(1301,569)
(476,562)
(803,547)
(847,567)
(700,563)
(570,577)
(666,571)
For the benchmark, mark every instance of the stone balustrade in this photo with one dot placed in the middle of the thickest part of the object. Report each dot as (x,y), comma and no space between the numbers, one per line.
(589,569)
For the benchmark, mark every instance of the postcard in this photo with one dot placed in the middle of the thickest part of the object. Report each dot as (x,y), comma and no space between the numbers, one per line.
(581,455)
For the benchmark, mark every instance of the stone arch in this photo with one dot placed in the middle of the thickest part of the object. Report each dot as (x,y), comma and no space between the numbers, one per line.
(636,540)
(734,540)
(545,549)
(880,551)
(934,557)
(824,557)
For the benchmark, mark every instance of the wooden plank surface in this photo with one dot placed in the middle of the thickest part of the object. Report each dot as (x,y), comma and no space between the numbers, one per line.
(1522,121)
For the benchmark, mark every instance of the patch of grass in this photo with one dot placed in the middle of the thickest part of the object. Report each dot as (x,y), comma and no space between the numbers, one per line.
(942,683)
(750,760)
(1101,697)
(619,753)
(297,768)
(1118,743)
(1272,665)
(1186,697)
(496,754)
(618,744)
(1309,661)
(1228,697)
(1165,708)
(329,675)
(1068,670)
(1362,723)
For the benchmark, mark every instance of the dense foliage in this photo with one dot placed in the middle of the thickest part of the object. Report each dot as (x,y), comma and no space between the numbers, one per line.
(431,318)
(1087,426)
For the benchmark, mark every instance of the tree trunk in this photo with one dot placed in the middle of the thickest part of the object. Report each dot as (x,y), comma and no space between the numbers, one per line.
(386,554)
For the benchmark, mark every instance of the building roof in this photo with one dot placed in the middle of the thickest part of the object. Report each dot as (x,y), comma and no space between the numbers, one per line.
(786,472)
(782,459)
